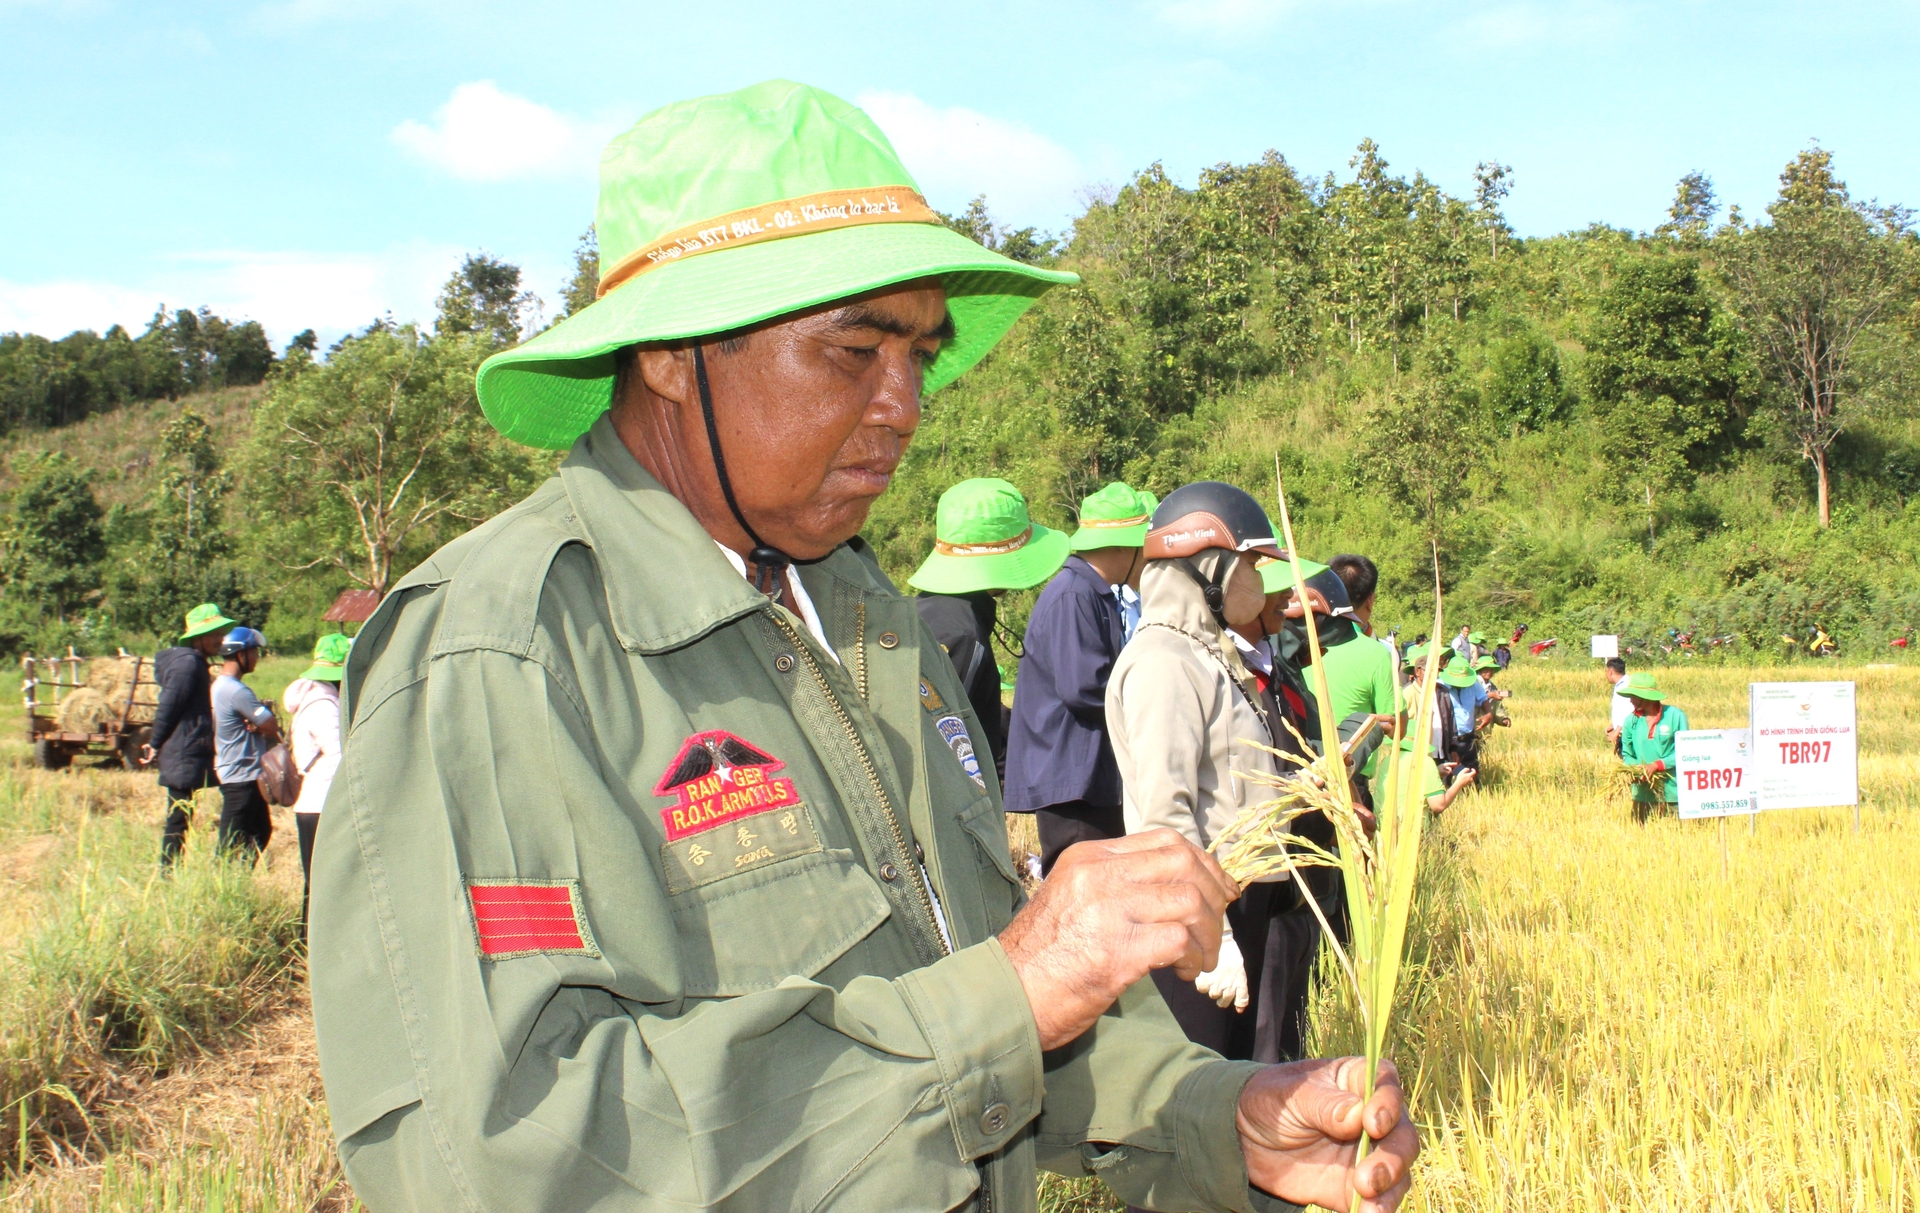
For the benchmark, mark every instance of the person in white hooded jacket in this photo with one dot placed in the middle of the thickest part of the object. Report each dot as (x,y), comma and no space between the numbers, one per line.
(313,702)
(1187,718)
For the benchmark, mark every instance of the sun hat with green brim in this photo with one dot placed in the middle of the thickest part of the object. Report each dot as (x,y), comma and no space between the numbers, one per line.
(1640,686)
(1459,674)
(985,541)
(1277,575)
(722,212)
(1414,654)
(1117,516)
(1476,638)
(329,658)
(1486,663)
(203,619)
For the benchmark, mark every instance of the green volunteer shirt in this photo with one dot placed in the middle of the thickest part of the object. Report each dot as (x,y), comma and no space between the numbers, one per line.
(619,904)
(1360,678)
(1645,739)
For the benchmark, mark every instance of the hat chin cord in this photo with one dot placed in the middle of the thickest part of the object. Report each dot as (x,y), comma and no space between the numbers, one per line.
(1213,587)
(768,562)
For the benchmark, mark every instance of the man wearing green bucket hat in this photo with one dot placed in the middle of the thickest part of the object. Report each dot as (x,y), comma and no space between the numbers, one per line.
(1060,764)
(1466,698)
(1647,741)
(182,736)
(984,545)
(651,876)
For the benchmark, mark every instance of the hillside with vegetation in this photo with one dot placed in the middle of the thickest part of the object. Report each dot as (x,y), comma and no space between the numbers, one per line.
(1712,428)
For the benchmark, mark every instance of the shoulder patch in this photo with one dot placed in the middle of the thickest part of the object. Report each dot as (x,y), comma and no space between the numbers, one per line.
(513,917)
(930,698)
(953,731)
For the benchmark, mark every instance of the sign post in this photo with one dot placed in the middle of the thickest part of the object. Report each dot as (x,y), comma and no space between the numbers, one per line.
(1605,647)
(1805,745)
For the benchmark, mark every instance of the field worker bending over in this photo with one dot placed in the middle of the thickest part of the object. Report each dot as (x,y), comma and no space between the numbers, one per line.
(984,546)
(1060,763)
(654,877)
(1186,714)
(1647,740)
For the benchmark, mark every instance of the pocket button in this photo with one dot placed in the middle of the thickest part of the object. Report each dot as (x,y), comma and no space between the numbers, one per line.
(993,1122)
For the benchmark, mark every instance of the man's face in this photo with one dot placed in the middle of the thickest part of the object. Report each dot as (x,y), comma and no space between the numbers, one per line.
(1613,675)
(1246,598)
(814,414)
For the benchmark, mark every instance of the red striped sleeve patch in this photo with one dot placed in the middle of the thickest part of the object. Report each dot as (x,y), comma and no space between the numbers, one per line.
(529,917)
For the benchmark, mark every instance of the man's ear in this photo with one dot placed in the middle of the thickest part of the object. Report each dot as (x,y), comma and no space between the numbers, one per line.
(668,373)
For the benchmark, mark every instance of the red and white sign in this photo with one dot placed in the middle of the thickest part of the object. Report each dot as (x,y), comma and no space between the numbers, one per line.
(1805,744)
(1715,771)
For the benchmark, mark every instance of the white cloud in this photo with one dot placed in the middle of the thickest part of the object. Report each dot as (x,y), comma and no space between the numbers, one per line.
(484,134)
(285,291)
(957,153)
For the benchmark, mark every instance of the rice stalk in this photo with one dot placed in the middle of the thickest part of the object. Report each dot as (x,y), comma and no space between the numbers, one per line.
(1378,860)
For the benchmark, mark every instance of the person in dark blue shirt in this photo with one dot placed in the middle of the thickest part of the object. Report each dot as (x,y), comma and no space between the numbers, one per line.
(1060,764)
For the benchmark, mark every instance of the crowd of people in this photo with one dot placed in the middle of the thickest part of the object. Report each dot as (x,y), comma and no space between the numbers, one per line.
(1166,660)
(210,730)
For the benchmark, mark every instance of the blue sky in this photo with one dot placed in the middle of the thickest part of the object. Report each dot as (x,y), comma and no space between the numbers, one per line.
(318,162)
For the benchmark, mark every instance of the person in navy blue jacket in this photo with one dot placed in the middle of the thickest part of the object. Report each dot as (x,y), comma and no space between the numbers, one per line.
(1060,763)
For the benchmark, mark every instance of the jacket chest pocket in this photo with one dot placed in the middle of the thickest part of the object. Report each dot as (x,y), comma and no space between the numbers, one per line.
(789,918)
(1000,890)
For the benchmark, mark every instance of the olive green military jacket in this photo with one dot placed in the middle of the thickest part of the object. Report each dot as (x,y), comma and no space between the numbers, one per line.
(619,901)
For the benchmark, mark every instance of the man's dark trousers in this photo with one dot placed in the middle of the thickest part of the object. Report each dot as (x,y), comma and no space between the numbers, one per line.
(244,820)
(1062,825)
(173,835)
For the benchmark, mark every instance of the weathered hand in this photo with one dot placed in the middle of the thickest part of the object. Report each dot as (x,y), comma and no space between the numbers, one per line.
(146,755)
(1299,1123)
(1110,912)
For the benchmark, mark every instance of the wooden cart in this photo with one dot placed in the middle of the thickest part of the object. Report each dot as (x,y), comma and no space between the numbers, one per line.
(47,683)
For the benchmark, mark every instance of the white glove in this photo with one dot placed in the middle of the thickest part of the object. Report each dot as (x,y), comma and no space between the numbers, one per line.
(1226,982)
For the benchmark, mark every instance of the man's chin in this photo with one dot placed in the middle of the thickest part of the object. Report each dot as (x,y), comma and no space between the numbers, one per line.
(832,526)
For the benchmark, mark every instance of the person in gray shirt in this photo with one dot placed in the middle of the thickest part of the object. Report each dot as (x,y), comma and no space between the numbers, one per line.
(243,730)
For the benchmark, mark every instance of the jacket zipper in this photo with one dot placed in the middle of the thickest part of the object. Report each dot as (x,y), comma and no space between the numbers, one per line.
(930,925)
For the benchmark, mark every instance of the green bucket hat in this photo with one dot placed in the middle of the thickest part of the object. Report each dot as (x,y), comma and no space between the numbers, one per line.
(1414,654)
(203,619)
(1277,575)
(1641,685)
(726,211)
(1486,663)
(329,658)
(1476,638)
(985,541)
(1117,516)
(1458,673)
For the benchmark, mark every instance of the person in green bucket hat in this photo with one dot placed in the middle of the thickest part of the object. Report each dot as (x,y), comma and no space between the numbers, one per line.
(181,740)
(1060,763)
(312,702)
(1467,697)
(1647,742)
(1488,669)
(657,780)
(984,545)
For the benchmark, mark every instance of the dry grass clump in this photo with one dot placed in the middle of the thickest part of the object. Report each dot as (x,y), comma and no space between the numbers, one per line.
(111,972)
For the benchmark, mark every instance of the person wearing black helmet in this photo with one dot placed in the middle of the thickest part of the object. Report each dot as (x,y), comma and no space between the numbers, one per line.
(1186,715)
(244,729)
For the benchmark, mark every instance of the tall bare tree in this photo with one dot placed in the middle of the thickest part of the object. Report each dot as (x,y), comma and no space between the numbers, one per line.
(1810,287)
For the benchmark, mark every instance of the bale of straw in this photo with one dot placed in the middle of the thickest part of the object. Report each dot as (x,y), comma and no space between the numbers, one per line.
(113,678)
(85,711)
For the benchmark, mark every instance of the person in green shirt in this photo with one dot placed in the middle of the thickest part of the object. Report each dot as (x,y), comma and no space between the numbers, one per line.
(654,875)
(1647,741)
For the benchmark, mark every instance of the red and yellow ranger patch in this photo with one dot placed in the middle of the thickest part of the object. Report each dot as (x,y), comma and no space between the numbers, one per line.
(529,917)
(716,778)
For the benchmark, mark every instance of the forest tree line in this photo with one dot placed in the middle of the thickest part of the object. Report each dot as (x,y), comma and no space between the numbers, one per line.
(1710,425)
